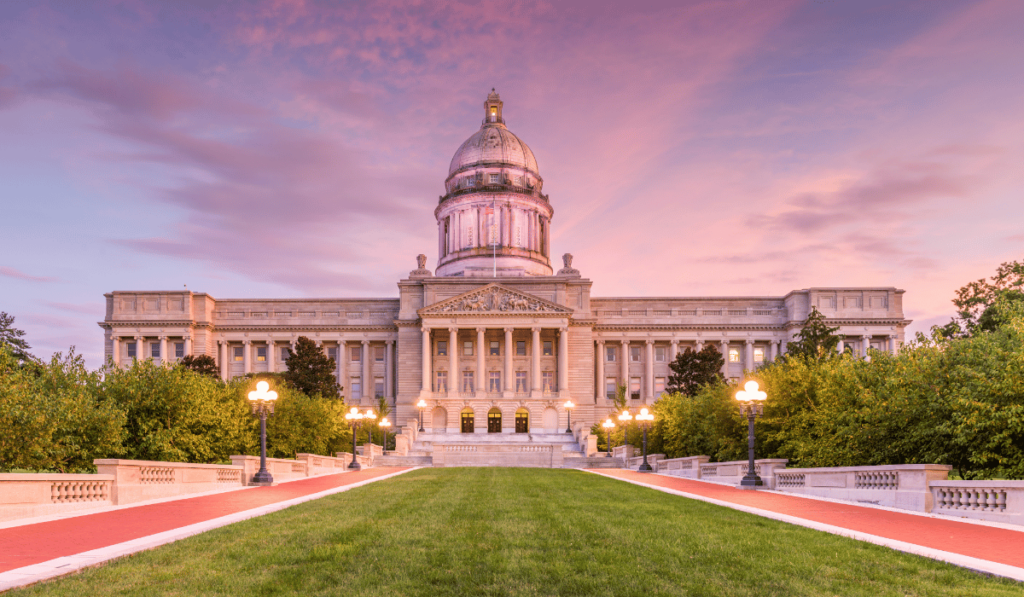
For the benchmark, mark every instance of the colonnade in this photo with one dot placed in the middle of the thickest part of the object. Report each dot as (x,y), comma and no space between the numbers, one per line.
(140,346)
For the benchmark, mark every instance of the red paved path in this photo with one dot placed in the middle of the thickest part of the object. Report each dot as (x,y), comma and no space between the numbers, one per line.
(34,543)
(977,541)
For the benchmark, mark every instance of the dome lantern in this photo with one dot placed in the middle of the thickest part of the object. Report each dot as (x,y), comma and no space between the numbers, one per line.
(492,109)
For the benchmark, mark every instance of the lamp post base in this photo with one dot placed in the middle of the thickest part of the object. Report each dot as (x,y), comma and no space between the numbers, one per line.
(354,466)
(751,482)
(645,468)
(262,478)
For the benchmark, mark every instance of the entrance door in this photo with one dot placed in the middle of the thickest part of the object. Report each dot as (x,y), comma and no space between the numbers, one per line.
(522,421)
(494,421)
(467,420)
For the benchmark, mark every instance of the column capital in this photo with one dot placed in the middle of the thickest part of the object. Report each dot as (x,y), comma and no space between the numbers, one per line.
(509,330)
(423,328)
(866,336)
(674,342)
(162,337)
(219,342)
(389,342)
(247,342)
(649,341)
(453,330)
(625,342)
(563,330)
(364,342)
(894,336)
(481,330)
(600,341)
(535,329)
(749,341)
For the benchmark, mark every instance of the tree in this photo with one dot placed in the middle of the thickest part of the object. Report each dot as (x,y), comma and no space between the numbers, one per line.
(202,364)
(976,302)
(816,340)
(311,371)
(12,337)
(693,370)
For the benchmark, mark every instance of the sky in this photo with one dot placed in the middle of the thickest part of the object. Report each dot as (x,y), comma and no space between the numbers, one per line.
(297,149)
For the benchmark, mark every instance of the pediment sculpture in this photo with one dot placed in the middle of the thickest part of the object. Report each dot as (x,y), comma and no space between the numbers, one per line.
(496,299)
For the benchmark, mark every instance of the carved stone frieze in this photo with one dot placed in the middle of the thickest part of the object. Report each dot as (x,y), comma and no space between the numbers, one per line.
(495,298)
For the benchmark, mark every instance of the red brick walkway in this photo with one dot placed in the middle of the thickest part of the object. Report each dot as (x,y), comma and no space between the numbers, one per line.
(993,544)
(34,543)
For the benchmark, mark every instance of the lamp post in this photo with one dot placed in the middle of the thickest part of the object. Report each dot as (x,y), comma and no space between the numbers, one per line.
(422,405)
(645,418)
(384,424)
(370,417)
(262,402)
(608,425)
(568,414)
(354,417)
(624,419)
(751,404)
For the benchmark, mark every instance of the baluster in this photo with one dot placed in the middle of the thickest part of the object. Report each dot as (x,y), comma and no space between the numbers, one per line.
(1001,500)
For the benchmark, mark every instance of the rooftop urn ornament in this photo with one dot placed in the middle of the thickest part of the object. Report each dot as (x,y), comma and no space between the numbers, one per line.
(422,405)
(751,404)
(608,425)
(568,414)
(262,401)
(645,418)
(354,417)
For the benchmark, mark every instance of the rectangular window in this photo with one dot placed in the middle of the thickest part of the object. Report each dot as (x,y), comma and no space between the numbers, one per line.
(659,386)
(549,348)
(357,388)
(495,349)
(261,354)
(332,352)
(734,355)
(442,348)
(378,387)
(132,349)
(286,353)
(467,348)
(609,352)
(356,354)
(179,350)
(634,388)
(634,354)
(467,382)
(520,348)
(547,379)
(495,179)
(238,353)
(494,382)
(442,381)
(378,354)
(154,350)
(521,387)
(659,354)
(611,387)
(758,355)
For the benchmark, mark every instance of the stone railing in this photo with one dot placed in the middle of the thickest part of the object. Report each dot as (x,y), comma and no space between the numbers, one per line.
(25,495)
(322,465)
(527,455)
(652,459)
(282,469)
(698,467)
(140,480)
(624,452)
(904,486)
(688,468)
(994,501)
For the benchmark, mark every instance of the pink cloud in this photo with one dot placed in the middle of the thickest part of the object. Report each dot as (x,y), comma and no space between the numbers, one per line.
(10,272)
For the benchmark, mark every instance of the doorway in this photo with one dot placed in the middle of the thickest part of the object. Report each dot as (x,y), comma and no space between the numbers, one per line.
(494,421)
(522,421)
(467,420)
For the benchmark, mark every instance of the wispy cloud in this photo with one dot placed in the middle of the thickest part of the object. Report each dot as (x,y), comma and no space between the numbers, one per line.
(10,272)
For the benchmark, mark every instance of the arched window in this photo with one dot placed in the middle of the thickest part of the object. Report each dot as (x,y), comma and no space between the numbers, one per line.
(467,420)
(494,420)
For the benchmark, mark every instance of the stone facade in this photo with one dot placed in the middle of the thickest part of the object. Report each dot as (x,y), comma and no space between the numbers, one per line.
(495,332)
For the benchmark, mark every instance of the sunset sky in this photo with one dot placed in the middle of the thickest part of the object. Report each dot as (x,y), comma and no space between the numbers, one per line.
(298,149)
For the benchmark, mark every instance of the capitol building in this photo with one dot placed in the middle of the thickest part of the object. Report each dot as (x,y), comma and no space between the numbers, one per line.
(495,339)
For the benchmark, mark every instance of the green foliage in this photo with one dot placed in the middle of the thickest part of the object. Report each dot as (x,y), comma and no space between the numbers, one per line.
(13,338)
(311,371)
(202,364)
(976,302)
(50,417)
(693,370)
(177,415)
(707,423)
(301,424)
(815,340)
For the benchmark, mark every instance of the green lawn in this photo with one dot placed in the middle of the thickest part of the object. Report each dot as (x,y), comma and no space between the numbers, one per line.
(518,532)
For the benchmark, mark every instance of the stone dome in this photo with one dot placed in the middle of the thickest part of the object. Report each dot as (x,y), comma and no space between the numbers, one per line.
(493,145)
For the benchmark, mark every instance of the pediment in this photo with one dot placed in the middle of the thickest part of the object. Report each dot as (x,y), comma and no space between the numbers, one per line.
(495,298)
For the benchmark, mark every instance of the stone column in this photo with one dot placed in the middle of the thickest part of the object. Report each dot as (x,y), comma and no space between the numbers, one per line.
(509,372)
(246,356)
(649,371)
(140,348)
(725,356)
(600,393)
(481,366)
(163,350)
(673,350)
(748,355)
(342,355)
(892,344)
(425,365)
(389,368)
(840,346)
(624,365)
(454,382)
(188,345)
(866,345)
(774,350)
(223,350)
(563,361)
(115,349)
(700,345)
(367,375)
(271,358)
(535,349)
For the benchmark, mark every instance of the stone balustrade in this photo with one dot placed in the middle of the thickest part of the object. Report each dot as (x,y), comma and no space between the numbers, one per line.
(526,455)
(322,465)
(282,469)
(698,467)
(25,495)
(652,459)
(141,480)
(994,501)
(687,468)
(624,452)
(903,486)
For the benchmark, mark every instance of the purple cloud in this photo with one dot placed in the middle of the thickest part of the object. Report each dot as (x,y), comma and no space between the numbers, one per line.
(10,272)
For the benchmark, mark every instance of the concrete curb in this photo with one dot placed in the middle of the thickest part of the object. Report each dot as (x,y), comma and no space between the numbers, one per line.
(27,575)
(975,564)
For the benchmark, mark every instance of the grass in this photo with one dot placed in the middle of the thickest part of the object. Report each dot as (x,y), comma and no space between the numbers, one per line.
(519,532)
